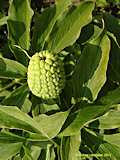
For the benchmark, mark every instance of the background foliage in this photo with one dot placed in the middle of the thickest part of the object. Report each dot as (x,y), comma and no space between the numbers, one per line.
(84,122)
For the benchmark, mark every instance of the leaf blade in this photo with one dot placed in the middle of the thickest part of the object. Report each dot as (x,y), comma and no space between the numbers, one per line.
(44,23)
(11,69)
(17,97)
(19,19)
(84,116)
(67,31)
(9,150)
(90,73)
(53,123)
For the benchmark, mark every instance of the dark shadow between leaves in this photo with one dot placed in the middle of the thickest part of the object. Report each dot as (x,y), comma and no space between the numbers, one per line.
(95,124)
(86,33)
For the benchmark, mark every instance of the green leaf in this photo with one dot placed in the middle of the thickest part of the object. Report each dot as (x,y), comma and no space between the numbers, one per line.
(113,27)
(26,107)
(100,146)
(110,150)
(35,152)
(48,152)
(12,117)
(3,21)
(20,54)
(52,124)
(17,157)
(113,139)
(45,127)
(37,138)
(19,20)
(113,37)
(3,94)
(42,144)
(17,96)
(67,30)
(52,154)
(11,69)
(110,120)
(7,137)
(70,147)
(27,153)
(43,155)
(44,23)
(114,65)
(48,107)
(101,3)
(90,74)
(86,33)
(112,97)
(9,150)
(83,116)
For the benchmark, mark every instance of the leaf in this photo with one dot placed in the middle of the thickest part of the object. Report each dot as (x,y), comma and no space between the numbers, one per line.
(86,33)
(35,152)
(110,120)
(3,94)
(19,54)
(7,137)
(113,27)
(52,124)
(48,152)
(48,107)
(17,96)
(37,138)
(44,23)
(43,155)
(101,3)
(12,117)
(9,150)
(70,147)
(110,151)
(100,146)
(3,20)
(19,20)
(90,73)
(43,127)
(112,97)
(17,157)
(26,107)
(114,65)
(27,153)
(84,116)
(112,36)
(42,144)
(11,69)
(52,154)
(113,139)
(67,31)
(89,33)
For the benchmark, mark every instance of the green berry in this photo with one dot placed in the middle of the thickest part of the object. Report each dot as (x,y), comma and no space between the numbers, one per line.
(46,77)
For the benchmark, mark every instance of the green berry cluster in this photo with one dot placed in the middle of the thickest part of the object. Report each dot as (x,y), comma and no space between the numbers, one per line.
(46,76)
